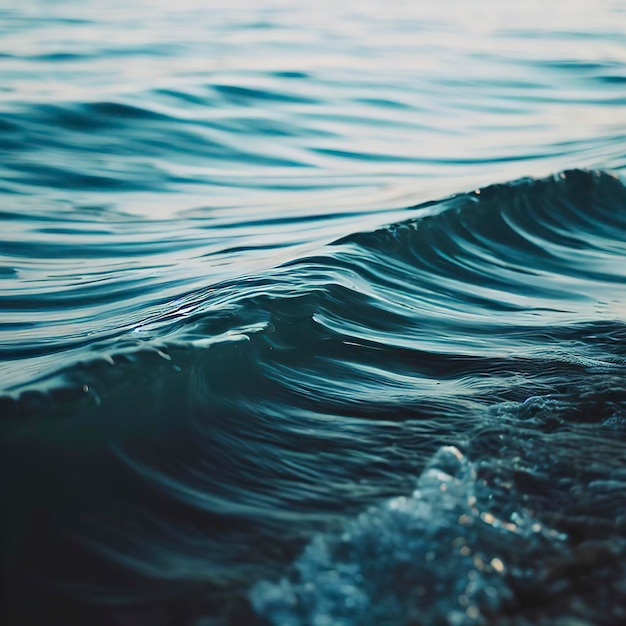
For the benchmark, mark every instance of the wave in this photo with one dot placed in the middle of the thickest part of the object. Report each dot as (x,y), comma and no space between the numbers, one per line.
(188,459)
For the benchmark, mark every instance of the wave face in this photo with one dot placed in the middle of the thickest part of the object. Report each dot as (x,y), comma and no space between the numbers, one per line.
(422,423)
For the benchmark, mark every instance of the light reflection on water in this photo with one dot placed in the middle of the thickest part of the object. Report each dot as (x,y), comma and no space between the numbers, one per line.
(169,175)
(174,145)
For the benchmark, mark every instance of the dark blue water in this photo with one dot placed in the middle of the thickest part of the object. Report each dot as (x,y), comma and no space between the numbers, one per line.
(312,315)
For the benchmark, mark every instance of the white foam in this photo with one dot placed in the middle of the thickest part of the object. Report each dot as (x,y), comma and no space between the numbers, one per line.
(434,557)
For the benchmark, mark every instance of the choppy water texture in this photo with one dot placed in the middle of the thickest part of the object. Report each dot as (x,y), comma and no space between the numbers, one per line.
(279,343)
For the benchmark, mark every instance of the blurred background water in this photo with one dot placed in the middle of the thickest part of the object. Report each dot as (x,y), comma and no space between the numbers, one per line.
(170,176)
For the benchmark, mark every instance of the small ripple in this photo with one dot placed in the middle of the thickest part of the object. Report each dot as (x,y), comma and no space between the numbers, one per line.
(246,95)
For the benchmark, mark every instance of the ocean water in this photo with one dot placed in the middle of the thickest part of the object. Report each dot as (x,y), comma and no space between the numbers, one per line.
(313,314)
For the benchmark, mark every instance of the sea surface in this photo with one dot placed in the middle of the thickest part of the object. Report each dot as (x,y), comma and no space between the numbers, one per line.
(312,313)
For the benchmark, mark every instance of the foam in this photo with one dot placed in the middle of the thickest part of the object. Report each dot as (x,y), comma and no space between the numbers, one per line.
(434,557)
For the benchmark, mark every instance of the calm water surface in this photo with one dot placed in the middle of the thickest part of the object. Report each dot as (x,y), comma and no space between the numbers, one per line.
(313,313)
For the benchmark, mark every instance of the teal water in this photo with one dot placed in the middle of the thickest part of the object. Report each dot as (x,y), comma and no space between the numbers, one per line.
(273,278)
